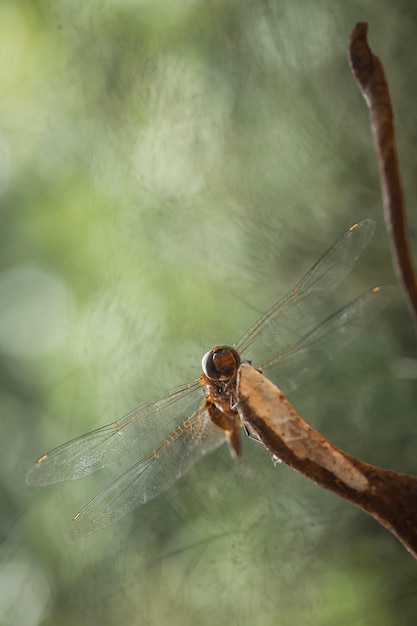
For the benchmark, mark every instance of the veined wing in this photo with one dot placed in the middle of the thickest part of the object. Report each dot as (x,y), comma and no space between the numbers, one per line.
(156,472)
(307,357)
(137,432)
(300,310)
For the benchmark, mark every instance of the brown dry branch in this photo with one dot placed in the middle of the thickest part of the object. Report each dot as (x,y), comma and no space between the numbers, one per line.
(390,497)
(372,83)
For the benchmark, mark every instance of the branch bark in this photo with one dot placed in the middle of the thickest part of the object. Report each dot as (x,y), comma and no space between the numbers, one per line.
(370,77)
(390,497)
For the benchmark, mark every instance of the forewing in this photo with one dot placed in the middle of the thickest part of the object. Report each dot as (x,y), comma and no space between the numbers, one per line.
(300,310)
(137,432)
(288,369)
(194,438)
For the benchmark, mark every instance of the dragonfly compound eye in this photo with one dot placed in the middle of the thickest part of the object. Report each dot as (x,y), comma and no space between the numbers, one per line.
(221,363)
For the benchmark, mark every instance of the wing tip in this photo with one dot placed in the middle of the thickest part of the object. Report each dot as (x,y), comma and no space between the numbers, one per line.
(71,534)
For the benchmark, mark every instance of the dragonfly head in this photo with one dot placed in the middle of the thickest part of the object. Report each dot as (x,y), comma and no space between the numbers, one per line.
(221,363)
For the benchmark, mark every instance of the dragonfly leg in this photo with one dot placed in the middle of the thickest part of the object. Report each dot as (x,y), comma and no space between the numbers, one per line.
(251,434)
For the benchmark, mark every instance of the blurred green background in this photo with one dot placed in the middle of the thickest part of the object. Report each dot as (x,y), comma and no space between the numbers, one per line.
(167,171)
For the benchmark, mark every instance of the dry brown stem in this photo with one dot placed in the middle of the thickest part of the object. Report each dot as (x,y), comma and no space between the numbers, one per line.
(370,77)
(390,497)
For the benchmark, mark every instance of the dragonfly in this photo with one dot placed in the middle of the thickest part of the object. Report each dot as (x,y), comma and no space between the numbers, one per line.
(186,423)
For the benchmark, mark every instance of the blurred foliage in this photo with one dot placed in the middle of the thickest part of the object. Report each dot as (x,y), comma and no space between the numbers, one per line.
(167,171)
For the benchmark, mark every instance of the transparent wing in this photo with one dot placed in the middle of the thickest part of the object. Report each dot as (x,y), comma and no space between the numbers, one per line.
(137,432)
(156,472)
(307,357)
(299,311)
